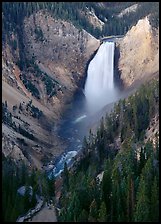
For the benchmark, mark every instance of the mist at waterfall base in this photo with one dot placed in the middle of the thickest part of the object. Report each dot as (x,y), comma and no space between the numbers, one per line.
(99,87)
(99,91)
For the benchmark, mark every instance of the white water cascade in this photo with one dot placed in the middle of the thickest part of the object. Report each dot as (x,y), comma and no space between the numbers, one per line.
(99,91)
(99,87)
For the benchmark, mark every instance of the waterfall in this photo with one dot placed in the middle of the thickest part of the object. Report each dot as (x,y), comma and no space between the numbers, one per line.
(99,87)
(99,91)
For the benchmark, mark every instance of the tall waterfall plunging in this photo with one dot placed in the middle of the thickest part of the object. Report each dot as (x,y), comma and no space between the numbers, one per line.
(99,91)
(99,87)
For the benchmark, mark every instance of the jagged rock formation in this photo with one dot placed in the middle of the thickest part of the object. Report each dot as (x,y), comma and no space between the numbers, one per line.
(139,53)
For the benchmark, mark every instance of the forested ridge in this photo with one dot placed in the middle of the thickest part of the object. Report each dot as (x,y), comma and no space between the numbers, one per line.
(14,13)
(120,25)
(129,190)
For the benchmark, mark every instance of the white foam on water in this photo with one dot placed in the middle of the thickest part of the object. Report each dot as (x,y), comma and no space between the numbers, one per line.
(80,118)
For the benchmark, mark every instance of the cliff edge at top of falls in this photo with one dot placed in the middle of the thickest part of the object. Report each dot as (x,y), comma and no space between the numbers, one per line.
(139,53)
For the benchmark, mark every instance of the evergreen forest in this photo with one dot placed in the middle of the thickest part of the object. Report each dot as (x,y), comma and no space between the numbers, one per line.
(15,176)
(14,14)
(129,189)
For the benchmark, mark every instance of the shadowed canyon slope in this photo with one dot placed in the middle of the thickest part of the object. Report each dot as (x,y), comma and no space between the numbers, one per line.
(56,53)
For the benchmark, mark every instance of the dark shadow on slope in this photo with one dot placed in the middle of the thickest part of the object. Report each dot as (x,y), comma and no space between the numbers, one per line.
(118,82)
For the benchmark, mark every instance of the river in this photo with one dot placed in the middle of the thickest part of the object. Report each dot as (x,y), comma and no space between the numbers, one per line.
(77,121)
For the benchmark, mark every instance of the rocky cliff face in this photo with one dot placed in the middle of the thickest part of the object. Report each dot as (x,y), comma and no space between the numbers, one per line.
(60,47)
(139,53)
(55,54)
(92,18)
(55,48)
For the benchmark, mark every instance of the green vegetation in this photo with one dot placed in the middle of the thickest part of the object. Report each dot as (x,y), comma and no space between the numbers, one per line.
(129,188)
(13,203)
(25,133)
(14,14)
(34,111)
(30,86)
(6,115)
(13,177)
(119,26)
(33,67)
(14,44)
(39,34)
(50,85)
(8,120)
(22,141)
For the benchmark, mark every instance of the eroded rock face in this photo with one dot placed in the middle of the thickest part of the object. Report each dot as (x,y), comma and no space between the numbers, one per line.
(92,18)
(59,47)
(61,51)
(10,149)
(139,52)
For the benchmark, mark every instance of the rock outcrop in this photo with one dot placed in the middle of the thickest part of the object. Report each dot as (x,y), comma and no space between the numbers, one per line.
(61,48)
(59,51)
(139,53)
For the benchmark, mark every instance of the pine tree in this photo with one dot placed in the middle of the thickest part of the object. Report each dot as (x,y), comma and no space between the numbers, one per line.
(51,186)
(85,146)
(154,203)
(20,107)
(107,187)
(73,210)
(142,206)
(93,213)
(66,177)
(102,213)
(142,212)
(5,104)
(83,217)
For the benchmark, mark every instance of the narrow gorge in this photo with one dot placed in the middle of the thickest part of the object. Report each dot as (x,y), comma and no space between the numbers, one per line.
(99,90)
(80,111)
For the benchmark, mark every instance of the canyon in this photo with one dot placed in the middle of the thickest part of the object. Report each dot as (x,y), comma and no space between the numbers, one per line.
(66,67)
(62,52)
(72,102)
